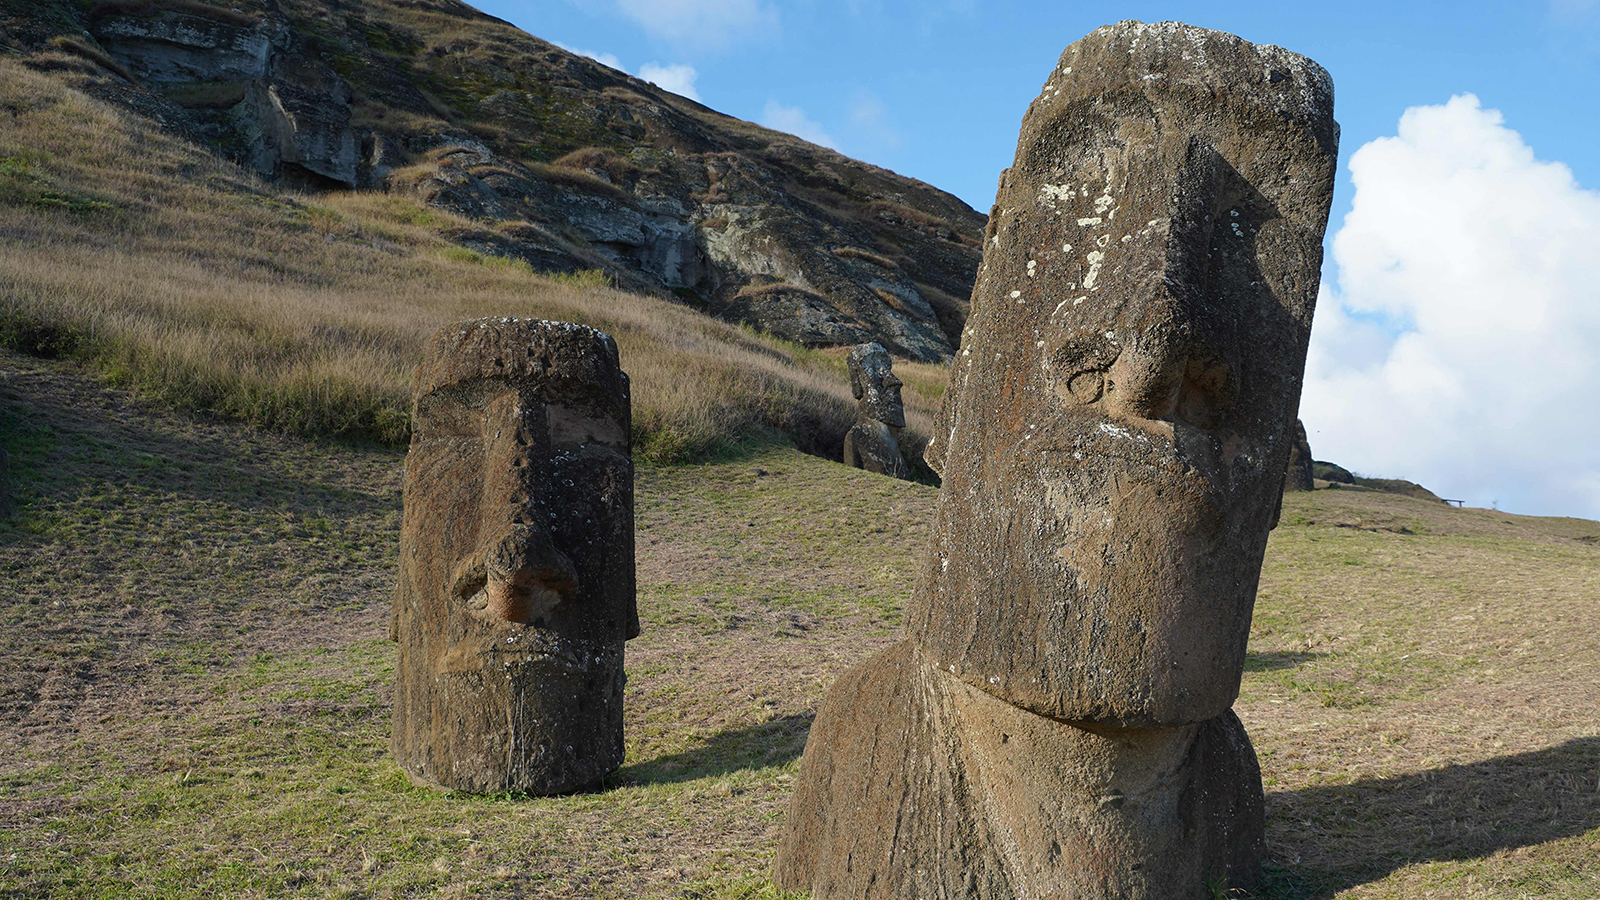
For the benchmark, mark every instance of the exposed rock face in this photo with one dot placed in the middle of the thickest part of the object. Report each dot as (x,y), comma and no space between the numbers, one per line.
(250,85)
(563,162)
(516,587)
(1112,448)
(1297,476)
(873,443)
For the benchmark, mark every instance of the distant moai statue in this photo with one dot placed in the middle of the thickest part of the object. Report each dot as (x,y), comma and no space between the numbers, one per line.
(516,587)
(873,443)
(1298,475)
(1058,722)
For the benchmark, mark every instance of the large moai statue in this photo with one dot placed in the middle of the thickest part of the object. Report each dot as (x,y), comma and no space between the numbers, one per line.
(1297,474)
(1058,721)
(516,587)
(873,443)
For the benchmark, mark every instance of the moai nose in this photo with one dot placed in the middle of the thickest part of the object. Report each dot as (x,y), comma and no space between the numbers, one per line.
(526,576)
(1147,378)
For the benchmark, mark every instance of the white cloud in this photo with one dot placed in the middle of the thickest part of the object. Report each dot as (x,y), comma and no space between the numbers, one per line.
(604,59)
(678,79)
(793,120)
(1461,347)
(871,119)
(704,23)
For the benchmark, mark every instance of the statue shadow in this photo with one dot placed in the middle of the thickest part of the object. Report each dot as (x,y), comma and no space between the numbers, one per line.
(59,454)
(775,742)
(1327,839)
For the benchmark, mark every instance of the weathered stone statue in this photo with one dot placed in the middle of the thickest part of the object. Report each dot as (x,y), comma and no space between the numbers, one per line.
(1298,476)
(873,443)
(516,587)
(1058,721)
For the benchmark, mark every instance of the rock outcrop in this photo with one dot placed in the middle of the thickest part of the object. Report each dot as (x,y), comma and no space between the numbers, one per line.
(561,161)
(516,588)
(1057,722)
(873,443)
(249,83)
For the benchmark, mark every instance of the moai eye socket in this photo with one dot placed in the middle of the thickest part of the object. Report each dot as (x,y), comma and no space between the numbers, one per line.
(1086,387)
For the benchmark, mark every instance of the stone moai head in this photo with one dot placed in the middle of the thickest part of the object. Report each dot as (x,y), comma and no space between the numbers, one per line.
(1114,438)
(516,587)
(874,386)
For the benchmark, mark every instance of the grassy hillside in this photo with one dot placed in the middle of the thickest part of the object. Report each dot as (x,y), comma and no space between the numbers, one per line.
(178,275)
(197,689)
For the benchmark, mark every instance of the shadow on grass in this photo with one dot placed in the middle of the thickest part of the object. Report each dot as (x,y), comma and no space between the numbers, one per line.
(772,743)
(1278,659)
(61,451)
(1323,840)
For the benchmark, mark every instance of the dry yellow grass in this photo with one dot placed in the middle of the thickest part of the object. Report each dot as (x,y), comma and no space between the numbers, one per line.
(186,278)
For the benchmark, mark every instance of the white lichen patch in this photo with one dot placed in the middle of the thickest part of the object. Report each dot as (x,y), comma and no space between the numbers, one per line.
(1051,194)
(1082,223)
(1033,266)
(1015,294)
(1103,203)
(1095,258)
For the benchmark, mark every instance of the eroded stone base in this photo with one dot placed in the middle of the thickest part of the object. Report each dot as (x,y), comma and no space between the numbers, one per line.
(917,786)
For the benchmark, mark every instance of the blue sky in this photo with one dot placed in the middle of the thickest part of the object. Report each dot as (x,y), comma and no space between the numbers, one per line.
(1458,336)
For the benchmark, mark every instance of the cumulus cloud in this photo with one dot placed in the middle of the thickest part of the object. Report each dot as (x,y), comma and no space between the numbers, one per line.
(678,79)
(705,23)
(793,119)
(871,119)
(604,59)
(1460,347)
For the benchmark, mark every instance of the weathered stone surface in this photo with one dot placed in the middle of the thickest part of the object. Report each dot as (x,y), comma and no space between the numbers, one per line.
(1121,406)
(916,786)
(516,587)
(1112,447)
(873,443)
(250,85)
(1297,476)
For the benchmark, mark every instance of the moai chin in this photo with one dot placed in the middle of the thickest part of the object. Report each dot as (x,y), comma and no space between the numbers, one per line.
(873,443)
(516,587)
(1058,721)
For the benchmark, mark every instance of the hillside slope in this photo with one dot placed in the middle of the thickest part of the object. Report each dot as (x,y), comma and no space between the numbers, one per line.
(193,281)
(196,695)
(567,164)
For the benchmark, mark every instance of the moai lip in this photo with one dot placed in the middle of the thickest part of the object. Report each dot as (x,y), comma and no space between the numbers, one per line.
(873,443)
(516,587)
(1113,443)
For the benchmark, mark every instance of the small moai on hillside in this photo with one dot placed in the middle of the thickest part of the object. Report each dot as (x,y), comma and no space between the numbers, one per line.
(516,588)
(873,443)
(1058,721)
(1298,476)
